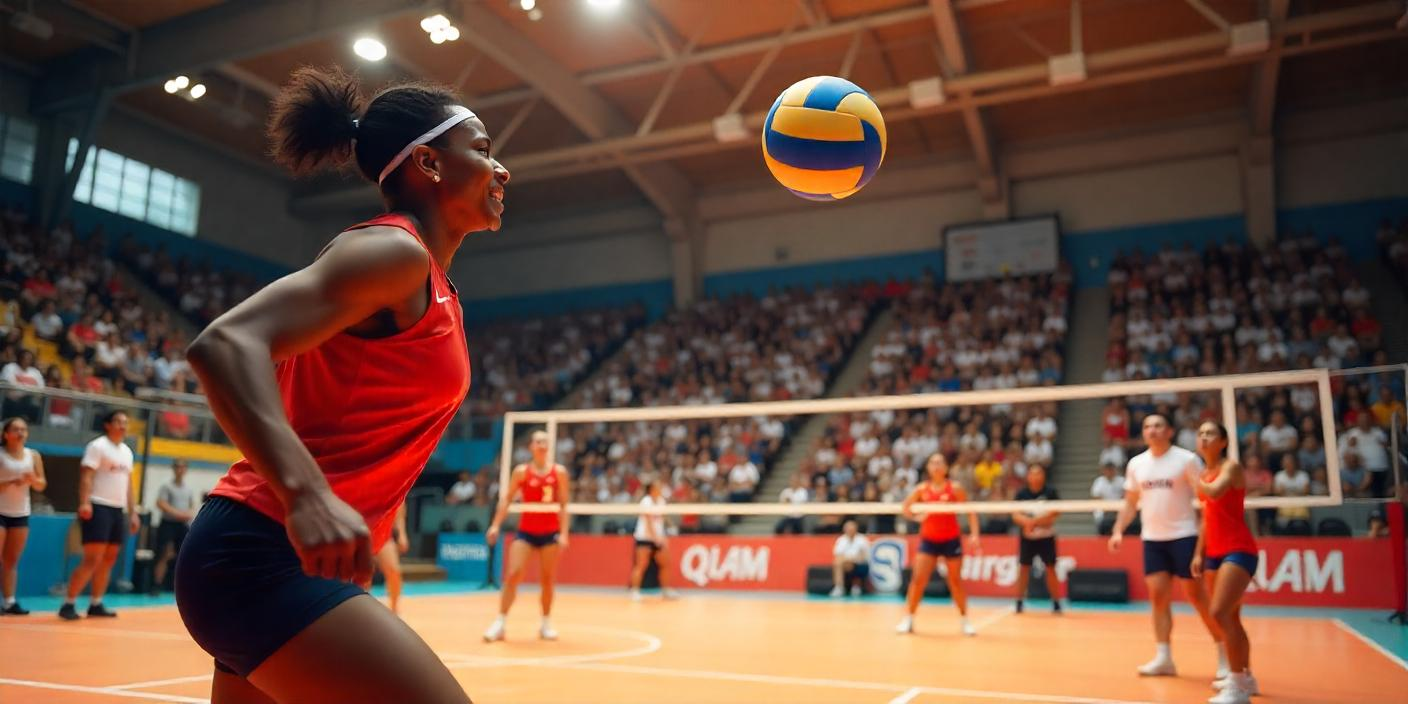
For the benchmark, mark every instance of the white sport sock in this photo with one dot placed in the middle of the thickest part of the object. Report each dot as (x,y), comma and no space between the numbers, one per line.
(1222,657)
(1165,653)
(9,601)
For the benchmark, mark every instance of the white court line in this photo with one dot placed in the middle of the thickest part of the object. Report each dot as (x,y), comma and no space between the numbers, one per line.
(1370,642)
(651,644)
(908,696)
(101,632)
(839,684)
(994,618)
(161,683)
(102,691)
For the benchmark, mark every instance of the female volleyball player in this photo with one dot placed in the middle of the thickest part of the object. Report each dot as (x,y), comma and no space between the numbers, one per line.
(388,559)
(539,481)
(650,542)
(1157,487)
(938,537)
(336,382)
(21,469)
(1227,554)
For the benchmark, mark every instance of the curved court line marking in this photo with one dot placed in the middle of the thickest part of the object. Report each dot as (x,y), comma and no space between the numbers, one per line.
(650,644)
(1370,642)
(994,618)
(843,684)
(102,691)
(908,696)
(101,632)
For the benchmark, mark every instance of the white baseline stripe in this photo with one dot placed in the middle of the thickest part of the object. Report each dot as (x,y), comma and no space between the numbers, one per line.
(102,691)
(994,618)
(99,632)
(908,696)
(838,684)
(162,683)
(1370,642)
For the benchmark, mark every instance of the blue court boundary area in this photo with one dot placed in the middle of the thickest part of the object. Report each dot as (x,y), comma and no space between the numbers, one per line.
(1371,624)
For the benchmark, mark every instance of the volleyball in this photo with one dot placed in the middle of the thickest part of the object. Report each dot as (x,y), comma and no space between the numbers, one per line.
(824,138)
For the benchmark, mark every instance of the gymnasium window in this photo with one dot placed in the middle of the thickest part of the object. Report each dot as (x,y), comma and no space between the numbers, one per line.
(18,138)
(129,187)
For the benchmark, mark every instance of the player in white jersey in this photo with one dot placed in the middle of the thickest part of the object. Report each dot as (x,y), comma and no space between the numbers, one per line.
(104,491)
(21,469)
(1156,486)
(651,541)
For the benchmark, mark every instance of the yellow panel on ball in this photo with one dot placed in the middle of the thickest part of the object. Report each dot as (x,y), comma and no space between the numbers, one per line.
(824,138)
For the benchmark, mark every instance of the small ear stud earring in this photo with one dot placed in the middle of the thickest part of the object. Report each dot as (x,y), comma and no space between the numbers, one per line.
(435,178)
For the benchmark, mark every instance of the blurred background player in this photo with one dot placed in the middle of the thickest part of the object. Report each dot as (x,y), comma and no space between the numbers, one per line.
(1157,487)
(651,542)
(388,559)
(177,503)
(939,536)
(21,469)
(1037,538)
(1225,558)
(104,492)
(539,481)
(851,560)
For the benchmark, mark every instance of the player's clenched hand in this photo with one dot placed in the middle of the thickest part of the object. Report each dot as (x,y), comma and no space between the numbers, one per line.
(330,537)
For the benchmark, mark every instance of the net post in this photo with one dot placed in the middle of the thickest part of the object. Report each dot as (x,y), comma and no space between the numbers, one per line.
(1229,421)
(1327,429)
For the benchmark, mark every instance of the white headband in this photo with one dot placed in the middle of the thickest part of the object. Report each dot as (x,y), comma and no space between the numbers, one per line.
(459,114)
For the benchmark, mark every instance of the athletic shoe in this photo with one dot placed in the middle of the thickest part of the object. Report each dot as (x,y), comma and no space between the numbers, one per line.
(837,592)
(1056,607)
(100,611)
(669,594)
(1019,607)
(635,595)
(855,591)
(546,632)
(968,629)
(1158,667)
(1222,673)
(906,626)
(1249,685)
(15,610)
(495,632)
(68,613)
(1232,695)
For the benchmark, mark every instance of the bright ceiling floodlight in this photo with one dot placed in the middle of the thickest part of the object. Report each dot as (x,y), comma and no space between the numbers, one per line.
(437,36)
(197,91)
(604,4)
(527,5)
(452,33)
(434,22)
(369,49)
(181,82)
(170,86)
(535,14)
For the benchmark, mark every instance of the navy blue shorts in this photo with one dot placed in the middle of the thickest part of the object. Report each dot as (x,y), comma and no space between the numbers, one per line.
(1172,556)
(947,548)
(538,540)
(1245,560)
(241,589)
(106,526)
(14,521)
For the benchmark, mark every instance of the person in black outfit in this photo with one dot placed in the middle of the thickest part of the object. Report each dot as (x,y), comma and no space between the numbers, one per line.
(1038,538)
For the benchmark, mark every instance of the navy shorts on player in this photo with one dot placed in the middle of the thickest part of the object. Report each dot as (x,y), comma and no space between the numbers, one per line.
(1172,556)
(947,548)
(1245,560)
(106,526)
(1030,549)
(538,540)
(14,521)
(241,589)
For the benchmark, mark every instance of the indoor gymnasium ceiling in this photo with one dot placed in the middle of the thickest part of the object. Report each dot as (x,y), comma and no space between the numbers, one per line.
(593,105)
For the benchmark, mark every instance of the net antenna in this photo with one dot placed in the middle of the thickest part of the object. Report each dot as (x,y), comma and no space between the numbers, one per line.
(1227,385)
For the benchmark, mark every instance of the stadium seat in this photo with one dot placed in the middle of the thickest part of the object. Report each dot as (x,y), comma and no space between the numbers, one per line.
(1333,527)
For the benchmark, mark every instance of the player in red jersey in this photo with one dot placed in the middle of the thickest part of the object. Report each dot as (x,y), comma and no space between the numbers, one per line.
(539,481)
(336,382)
(939,535)
(1225,557)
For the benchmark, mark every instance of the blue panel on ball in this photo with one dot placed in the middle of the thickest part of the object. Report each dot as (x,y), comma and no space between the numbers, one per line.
(828,94)
(767,124)
(813,196)
(819,154)
(873,152)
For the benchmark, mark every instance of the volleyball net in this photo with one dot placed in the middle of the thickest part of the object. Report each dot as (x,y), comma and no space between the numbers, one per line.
(860,456)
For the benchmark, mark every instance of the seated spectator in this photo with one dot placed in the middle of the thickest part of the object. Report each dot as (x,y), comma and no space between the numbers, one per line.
(1369,444)
(47,323)
(796,493)
(1109,486)
(1292,481)
(463,490)
(852,560)
(1259,482)
(742,479)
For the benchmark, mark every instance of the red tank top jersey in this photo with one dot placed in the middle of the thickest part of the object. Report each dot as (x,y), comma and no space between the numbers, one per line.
(939,527)
(540,488)
(1227,530)
(371,410)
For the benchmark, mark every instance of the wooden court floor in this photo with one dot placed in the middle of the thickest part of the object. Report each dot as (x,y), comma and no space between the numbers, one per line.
(709,648)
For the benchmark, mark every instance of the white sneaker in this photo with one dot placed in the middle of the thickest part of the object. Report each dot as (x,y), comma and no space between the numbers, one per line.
(855,591)
(906,626)
(1158,667)
(495,632)
(635,595)
(1232,695)
(669,594)
(968,629)
(836,592)
(546,632)
(1249,685)
(1222,673)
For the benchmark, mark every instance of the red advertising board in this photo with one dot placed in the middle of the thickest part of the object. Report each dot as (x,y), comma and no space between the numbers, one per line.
(1327,572)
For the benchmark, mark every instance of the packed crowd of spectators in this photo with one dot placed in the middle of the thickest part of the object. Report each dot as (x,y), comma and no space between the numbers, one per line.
(68,323)
(1232,309)
(199,290)
(969,336)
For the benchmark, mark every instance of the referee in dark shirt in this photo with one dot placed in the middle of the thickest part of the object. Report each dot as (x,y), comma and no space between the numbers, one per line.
(1038,537)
